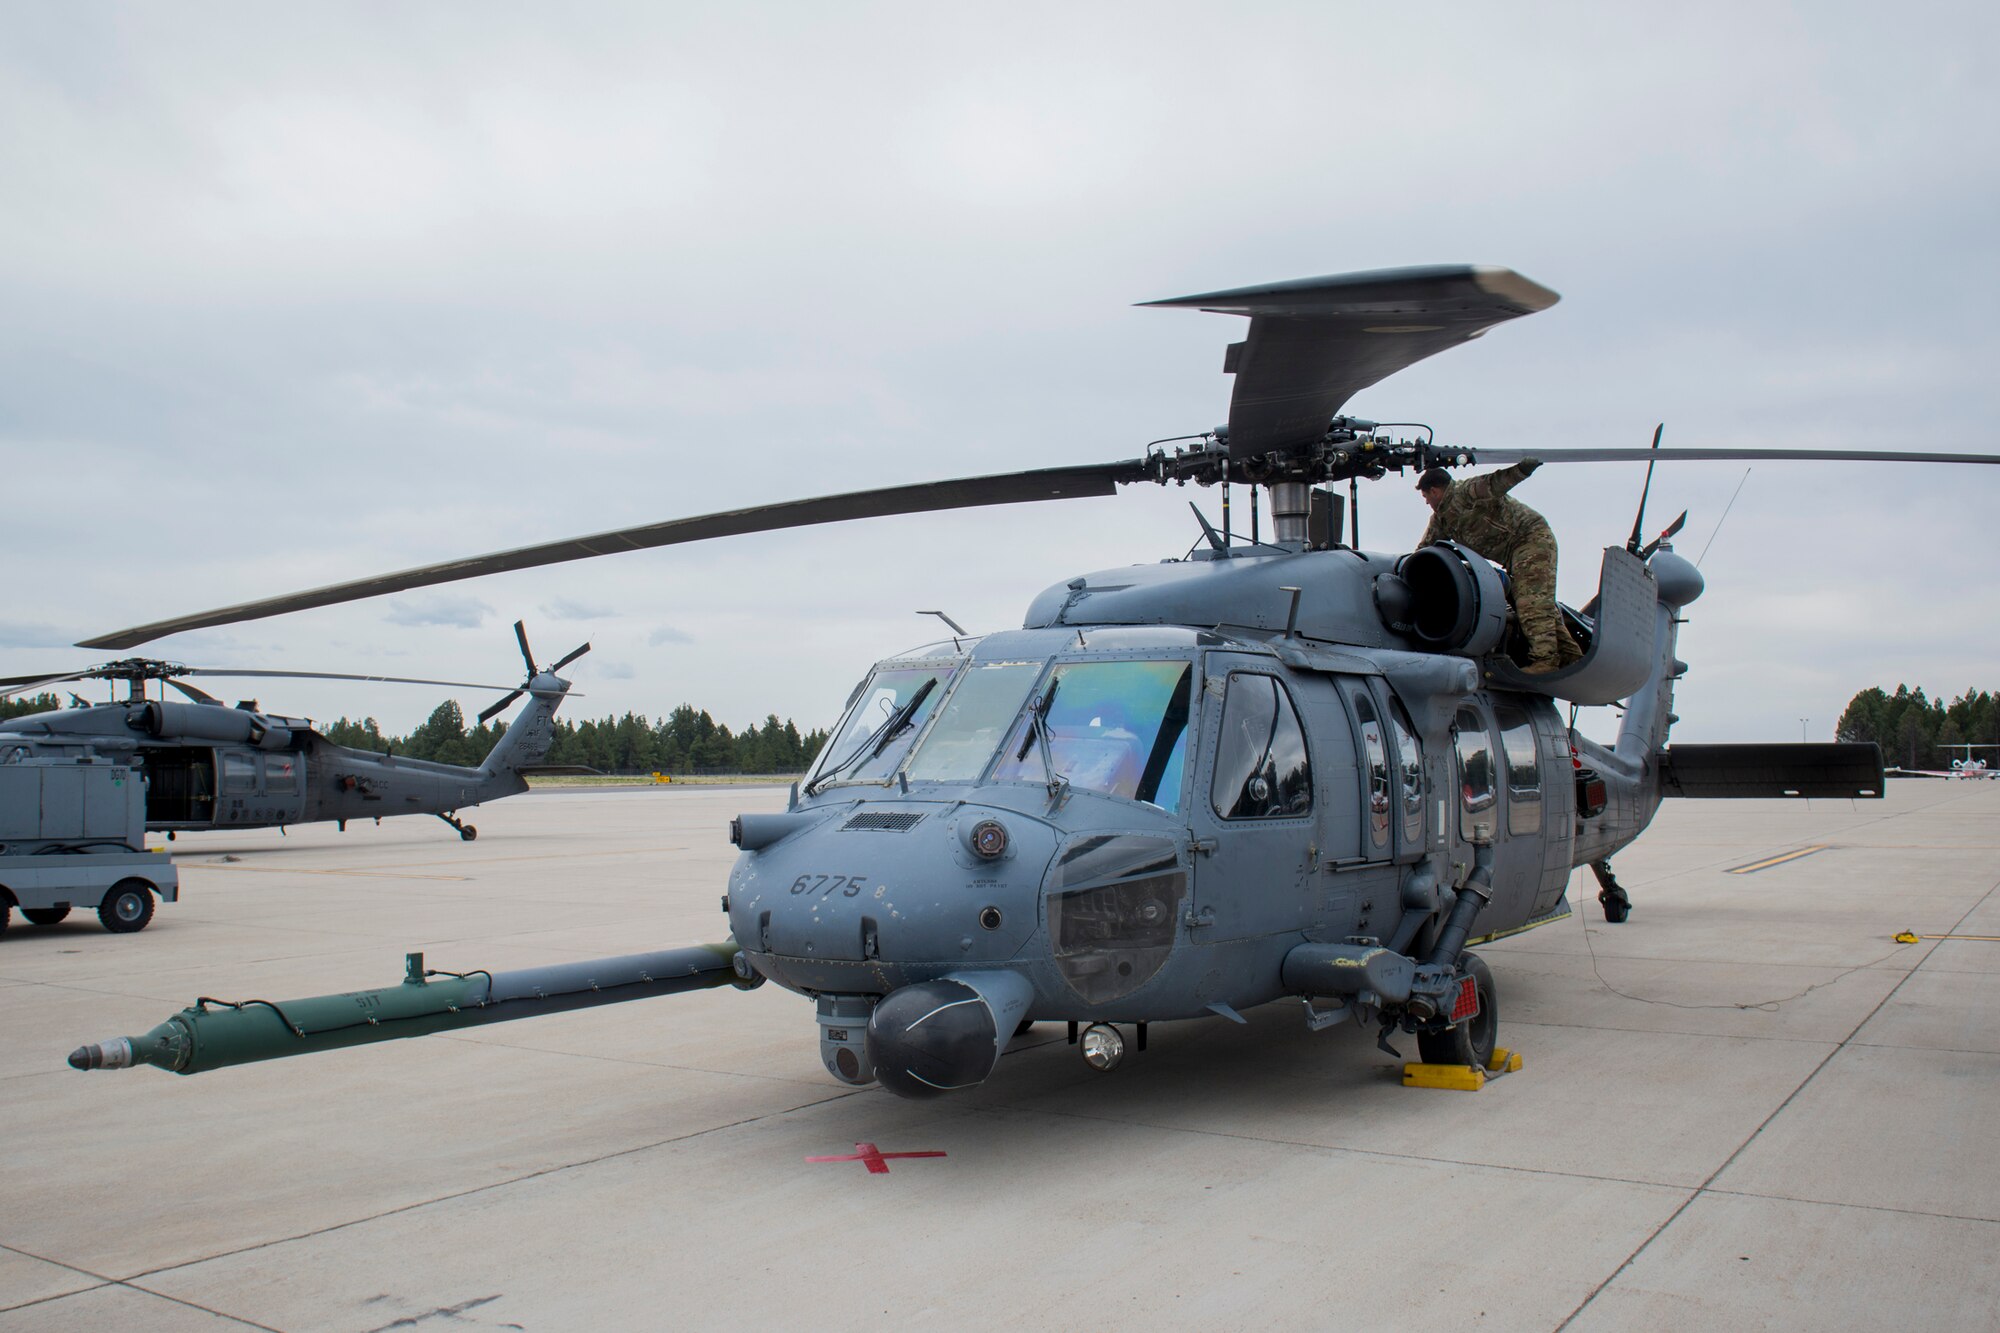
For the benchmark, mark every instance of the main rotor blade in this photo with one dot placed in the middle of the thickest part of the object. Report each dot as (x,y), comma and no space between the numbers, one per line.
(500,707)
(572,655)
(344,675)
(1698,454)
(1061,483)
(14,685)
(1316,342)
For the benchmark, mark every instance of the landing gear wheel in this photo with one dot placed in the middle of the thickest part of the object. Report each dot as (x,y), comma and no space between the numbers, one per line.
(1610,896)
(1470,1042)
(468,833)
(1616,905)
(6,911)
(127,907)
(45,916)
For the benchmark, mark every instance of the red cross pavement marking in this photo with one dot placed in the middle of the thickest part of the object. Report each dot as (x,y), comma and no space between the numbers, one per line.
(876,1159)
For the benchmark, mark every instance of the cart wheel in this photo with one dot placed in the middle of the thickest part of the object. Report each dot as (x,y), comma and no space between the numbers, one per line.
(127,907)
(45,916)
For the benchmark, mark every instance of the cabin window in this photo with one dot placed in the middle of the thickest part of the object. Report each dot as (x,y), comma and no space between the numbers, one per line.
(1475,776)
(1116,728)
(1375,758)
(1262,770)
(1524,775)
(1411,771)
(281,775)
(239,774)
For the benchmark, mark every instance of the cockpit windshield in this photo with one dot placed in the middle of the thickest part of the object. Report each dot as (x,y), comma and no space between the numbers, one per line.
(968,731)
(888,715)
(1119,728)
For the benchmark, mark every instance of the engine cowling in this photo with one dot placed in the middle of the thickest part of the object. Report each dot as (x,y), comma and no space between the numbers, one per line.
(1448,598)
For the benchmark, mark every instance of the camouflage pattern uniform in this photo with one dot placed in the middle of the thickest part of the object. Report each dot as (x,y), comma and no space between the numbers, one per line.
(1480,515)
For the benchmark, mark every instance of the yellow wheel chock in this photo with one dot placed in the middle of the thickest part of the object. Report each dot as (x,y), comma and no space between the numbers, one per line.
(1462,1078)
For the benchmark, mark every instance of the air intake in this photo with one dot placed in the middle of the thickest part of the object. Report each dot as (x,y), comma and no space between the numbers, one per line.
(898,822)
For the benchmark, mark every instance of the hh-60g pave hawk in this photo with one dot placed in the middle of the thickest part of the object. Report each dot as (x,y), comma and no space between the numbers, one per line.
(210,766)
(1284,769)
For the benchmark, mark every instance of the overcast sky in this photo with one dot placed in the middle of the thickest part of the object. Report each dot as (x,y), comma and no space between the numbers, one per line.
(296,293)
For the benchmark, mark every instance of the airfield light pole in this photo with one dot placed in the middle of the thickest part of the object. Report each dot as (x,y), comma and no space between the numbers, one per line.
(1802,727)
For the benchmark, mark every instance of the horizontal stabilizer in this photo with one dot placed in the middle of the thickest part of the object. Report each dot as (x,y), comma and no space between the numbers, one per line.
(1736,772)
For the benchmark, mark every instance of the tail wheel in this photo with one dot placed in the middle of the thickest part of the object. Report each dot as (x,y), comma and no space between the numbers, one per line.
(127,907)
(1471,1042)
(468,833)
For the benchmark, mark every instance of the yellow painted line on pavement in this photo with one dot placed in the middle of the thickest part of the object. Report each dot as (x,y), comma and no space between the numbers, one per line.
(1768,862)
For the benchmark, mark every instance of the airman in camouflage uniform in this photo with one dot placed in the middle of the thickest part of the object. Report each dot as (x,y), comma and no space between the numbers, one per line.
(1480,515)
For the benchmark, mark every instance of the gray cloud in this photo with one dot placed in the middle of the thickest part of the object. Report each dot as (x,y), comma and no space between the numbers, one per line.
(567,608)
(614,670)
(15,634)
(442,609)
(668,634)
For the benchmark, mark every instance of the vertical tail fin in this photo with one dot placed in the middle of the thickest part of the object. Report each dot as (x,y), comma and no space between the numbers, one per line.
(528,737)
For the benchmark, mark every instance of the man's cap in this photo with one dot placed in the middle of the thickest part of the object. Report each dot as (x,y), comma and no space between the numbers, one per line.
(1436,476)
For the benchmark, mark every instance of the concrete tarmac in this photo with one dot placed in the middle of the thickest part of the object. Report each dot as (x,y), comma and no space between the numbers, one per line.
(1746,1107)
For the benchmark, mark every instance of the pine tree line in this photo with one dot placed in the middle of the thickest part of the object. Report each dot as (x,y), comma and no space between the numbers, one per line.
(688,740)
(1916,732)
(41,703)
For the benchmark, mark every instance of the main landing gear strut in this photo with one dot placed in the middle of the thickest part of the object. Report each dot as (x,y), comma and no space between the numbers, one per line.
(465,831)
(1617,906)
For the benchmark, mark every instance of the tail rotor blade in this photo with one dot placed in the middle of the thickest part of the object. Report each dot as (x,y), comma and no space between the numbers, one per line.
(500,707)
(1639,520)
(521,633)
(1646,552)
(573,654)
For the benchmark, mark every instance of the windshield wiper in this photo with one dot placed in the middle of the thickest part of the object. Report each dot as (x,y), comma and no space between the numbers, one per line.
(899,722)
(1038,735)
(875,741)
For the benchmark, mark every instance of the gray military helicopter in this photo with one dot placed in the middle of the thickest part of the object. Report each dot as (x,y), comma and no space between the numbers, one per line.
(1281,769)
(210,766)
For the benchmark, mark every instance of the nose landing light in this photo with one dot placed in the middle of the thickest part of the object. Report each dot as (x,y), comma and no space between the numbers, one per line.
(1103,1046)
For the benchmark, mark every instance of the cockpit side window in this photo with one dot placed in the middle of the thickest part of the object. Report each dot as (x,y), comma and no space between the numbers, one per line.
(1117,728)
(1262,770)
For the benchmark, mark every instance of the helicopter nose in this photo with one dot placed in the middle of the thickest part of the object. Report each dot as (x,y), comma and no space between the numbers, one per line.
(945,1035)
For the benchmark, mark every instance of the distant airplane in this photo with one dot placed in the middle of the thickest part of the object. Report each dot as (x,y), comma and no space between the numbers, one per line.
(1965,766)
